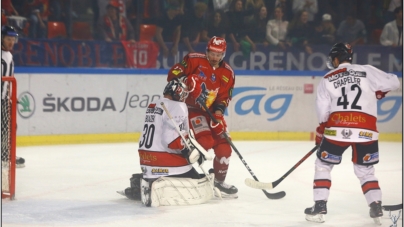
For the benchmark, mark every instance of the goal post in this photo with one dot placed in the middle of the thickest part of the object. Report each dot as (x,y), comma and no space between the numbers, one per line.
(8,136)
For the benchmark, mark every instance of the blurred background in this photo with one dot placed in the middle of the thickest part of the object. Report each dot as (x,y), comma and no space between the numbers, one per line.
(115,33)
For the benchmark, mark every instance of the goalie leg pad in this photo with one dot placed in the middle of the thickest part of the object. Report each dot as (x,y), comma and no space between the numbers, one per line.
(172,191)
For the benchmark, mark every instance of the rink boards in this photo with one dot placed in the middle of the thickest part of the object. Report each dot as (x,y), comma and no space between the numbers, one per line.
(71,106)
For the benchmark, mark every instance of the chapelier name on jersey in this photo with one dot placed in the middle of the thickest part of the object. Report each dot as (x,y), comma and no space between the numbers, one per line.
(341,78)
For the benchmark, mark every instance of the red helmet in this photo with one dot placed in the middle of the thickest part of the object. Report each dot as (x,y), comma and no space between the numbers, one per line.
(114,3)
(217,44)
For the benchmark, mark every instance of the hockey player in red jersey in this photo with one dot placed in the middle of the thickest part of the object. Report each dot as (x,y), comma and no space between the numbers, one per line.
(210,80)
(347,112)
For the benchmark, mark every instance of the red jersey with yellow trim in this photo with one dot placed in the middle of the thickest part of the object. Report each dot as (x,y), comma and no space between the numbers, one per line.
(217,83)
(160,144)
(346,101)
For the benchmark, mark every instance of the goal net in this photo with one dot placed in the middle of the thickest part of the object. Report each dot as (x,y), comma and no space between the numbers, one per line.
(8,136)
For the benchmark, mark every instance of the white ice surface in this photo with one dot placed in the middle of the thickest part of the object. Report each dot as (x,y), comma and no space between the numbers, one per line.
(76,185)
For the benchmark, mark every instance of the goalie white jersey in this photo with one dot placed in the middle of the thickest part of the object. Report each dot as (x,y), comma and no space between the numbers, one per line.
(160,144)
(346,100)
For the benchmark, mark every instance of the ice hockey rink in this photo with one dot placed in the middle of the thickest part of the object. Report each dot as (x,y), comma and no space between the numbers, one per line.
(75,185)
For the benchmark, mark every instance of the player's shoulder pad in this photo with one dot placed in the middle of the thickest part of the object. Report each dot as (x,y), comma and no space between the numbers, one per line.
(228,67)
(335,72)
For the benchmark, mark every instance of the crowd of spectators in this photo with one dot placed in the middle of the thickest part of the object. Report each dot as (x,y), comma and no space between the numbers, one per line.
(243,23)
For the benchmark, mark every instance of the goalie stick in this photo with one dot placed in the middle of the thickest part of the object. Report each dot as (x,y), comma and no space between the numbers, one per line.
(277,195)
(392,207)
(204,153)
(261,185)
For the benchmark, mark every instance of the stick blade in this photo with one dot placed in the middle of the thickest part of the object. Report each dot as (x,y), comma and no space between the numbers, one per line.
(258,185)
(277,195)
(392,207)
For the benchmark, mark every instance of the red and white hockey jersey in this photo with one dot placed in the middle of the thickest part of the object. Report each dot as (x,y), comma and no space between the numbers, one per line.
(346,101)
(217,83)
(160,144)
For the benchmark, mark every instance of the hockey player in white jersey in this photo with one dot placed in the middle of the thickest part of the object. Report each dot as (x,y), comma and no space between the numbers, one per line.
(9,37)
(347,113)
(168,177)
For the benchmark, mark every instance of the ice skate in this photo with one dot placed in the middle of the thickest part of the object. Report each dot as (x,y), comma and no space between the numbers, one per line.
(227,191)
(317,212)
(19,162)
(376,212)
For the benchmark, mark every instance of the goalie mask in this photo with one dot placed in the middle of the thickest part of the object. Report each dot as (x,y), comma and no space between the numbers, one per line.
(217,44)
(341,51)
(177,89)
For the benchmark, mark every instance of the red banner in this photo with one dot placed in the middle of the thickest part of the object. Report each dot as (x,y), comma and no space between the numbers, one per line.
(141,54)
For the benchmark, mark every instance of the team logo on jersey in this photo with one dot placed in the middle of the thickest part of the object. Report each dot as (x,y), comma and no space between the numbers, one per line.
(160,171)
(365,135)
(184,63)
(176,71)
(144,169)
(26,105)
(368,158)
(346,133)
(330,157)
(213,78)
(329,132)
(201,73)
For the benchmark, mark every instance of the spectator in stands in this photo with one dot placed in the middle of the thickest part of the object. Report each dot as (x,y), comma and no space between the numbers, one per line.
(8,8)
(237,27)
(352,30)
(258,29)
(222,5)
(192,26)
(388,9)
(113,26)
(277,29)
(285,5)
(216,26)
(310,6)
(168,29)
(253,4)
(392,34)
(38,12)
(300,31)
(324,31)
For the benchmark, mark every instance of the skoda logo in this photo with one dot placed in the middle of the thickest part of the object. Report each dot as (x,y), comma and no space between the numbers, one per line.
(26,105)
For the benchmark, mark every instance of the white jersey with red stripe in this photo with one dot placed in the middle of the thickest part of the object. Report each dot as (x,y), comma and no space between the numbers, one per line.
(346,101)
(160,144)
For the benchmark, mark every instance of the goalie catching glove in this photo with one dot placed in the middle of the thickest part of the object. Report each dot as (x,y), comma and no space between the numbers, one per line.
(218,126)
(193,151)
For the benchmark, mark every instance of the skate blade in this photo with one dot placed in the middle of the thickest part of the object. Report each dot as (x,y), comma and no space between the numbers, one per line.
(319,218)
(227,196)
(378,221)
(19,165)
(121,193)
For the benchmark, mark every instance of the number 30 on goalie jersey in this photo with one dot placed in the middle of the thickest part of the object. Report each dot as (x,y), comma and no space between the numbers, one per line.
(160,144)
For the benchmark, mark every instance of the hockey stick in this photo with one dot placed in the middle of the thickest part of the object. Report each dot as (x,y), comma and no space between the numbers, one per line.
(277,195)
(261,185)
(215,190)
(393,207)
